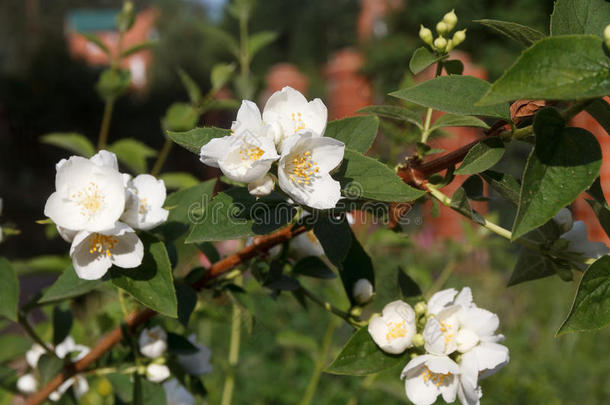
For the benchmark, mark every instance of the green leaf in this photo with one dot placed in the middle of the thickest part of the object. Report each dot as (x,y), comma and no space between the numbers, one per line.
(139,47)
(221,74)
(62,324)
(9,290)
(113,83)
(194,139)
(474,188)
(591,307)
(504,184)
(186,207)
(180,117)
(454,94)
(357,133)
(44,263)
(364,177)
(133,154)
(96,41)
(600,110)
(179,180)
(71,141)
(68,285)
(13,345)
(408,286)
(258,41)
(223,38)
(178,344)
(360,356)
(460,203)
(530,266)
(122,386)
(334,236)
(555,68)
(292,339)
(191,87)
(421,59)
(563,164)
(451,120)
(152,283)
(482,156)
(394,112)
(48,367)
(152,393)
(453,67)
(312,266)
(356,265)
(580,17)
(235,214)
(187,300)
(522,34)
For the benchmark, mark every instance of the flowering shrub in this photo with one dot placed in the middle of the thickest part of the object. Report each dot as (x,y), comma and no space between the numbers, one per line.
(293,184)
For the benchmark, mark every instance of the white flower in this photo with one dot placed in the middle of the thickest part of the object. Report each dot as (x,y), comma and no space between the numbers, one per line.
(153,342)
(393,331)
(33,355)
(363,291)
(288,112)
(249,120)
(244,157)
(483,360)
(144,205)
(93,253)
(306,244)
(89,194)
(564,219)
(304,170)
(157,372)
(427,376)
(79,384)
(197,363)
(263,186)
(27,384)
(579,242)
(176,394)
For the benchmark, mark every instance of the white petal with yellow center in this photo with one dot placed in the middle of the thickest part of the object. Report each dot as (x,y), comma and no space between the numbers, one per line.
(394,329)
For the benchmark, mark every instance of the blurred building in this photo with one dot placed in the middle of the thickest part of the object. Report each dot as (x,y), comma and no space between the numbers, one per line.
(100,22)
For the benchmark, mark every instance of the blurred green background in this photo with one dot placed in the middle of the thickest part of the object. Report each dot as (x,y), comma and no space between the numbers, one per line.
(42,90)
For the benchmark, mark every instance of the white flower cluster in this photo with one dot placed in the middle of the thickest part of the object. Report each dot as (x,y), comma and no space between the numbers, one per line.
(97,209)
(290,132)
(460,342)
(153,344)
(29,383)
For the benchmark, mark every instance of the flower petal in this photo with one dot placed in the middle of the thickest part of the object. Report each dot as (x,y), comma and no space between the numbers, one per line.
(128,252)
(248,118)
(327,152)
(440,300)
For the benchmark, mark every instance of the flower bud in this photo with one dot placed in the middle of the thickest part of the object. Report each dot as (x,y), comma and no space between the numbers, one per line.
(125,19)
(363,291)
(426,35)
(450,46)
(418,340)
(607,35)
(442,28)
(27,384)
(393,331)
(263,186)
(157,373)
(440,44)
(450,19)
(564,219)
(153,342)
(458,37)
(420,308)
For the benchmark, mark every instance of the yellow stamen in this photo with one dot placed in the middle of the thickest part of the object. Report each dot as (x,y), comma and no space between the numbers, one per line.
(298,122)
(303,168)
(251,154)
(104,244)
(90,199)
(437,379)
(396,330)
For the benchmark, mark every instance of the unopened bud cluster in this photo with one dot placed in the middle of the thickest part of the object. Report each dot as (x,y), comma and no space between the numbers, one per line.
(442,44)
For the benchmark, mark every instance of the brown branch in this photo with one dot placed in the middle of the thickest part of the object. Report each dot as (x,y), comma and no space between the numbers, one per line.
(137,318)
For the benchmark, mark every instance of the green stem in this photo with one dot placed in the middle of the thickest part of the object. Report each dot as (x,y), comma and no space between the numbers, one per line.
(167,147)
(330,307)
(22,319)
(122,302)
(319,366)
(229,384)
(445,200)
(243,39)
(103,136)
(426,130)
